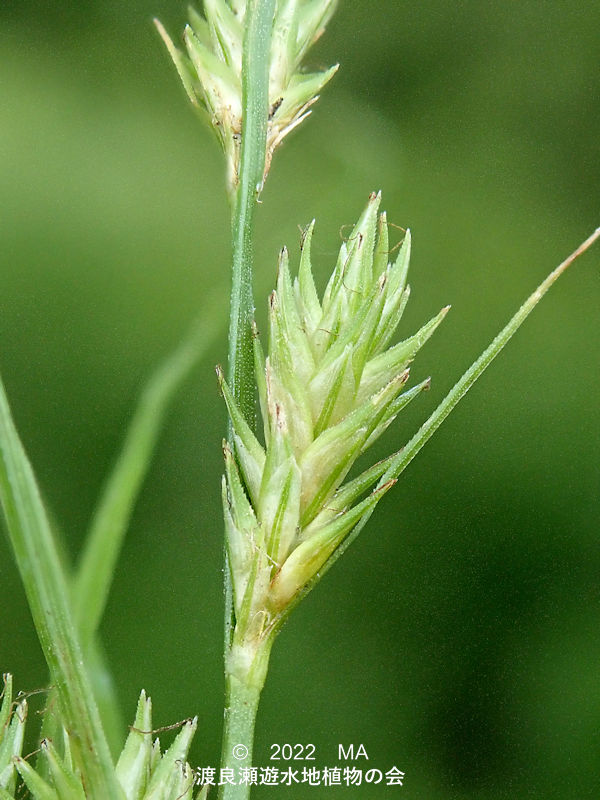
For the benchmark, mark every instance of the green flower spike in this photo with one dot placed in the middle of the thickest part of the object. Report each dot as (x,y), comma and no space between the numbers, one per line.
(211,68)
(142,771)
(328,388)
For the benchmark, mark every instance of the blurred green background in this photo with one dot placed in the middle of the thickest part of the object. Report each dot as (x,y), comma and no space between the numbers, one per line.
(459,638)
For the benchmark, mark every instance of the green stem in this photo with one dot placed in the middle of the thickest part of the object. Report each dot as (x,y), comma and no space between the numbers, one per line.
(240,715)
(242,699)
(246,670)
(48,596)
(255,113)
(403,458)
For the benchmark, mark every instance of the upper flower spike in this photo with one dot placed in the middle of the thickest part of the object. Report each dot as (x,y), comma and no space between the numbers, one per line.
(329,385)
(211,68)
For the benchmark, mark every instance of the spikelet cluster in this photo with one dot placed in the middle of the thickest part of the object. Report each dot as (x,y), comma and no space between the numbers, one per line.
(210,68)
(329,386)
(143,771)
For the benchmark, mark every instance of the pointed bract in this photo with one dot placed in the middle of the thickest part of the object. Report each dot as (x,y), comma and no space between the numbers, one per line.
(38,787)
(12,731)
(172,776)
(306,560)
(66,783)
(392,361)
(134,764)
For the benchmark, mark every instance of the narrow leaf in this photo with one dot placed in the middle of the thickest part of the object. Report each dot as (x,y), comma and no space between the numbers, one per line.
(459,390)
(93,579)
(48,597)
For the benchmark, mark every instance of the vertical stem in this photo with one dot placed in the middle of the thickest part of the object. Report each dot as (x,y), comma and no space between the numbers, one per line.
(255,112)
(242,703)
(245,673)
(243,697)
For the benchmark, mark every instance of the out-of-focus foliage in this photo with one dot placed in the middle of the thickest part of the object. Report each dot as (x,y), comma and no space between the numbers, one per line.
(458,638)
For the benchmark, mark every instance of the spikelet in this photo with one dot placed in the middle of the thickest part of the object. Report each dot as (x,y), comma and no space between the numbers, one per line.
(210,68)
(143,772)
(329,386)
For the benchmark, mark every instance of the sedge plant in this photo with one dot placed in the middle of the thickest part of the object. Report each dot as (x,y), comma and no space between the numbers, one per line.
(330,377)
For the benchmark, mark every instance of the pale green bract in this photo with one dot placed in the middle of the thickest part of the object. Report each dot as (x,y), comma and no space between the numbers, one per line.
(328,388)
(142,771)
(13,716)
(211,68)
